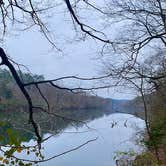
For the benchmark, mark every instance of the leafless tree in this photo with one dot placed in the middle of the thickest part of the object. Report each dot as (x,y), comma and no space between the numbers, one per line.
(141,27)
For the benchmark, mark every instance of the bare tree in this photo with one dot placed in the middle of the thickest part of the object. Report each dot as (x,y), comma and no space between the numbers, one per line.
(141,28)
(27,14)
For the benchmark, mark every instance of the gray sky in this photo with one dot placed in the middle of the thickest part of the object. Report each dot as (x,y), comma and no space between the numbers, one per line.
(79,57)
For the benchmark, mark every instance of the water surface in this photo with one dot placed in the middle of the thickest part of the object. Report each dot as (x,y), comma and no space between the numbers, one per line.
(115,133)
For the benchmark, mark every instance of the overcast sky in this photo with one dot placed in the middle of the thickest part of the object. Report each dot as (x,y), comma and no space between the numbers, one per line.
(78,58)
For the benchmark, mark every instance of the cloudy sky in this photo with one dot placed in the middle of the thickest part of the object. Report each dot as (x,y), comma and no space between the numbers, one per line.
(79,58)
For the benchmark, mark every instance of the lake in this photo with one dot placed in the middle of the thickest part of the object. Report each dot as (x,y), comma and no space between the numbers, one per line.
(115,133)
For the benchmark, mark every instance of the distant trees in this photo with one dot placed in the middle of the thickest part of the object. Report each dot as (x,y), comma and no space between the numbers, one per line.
(129,31)
(136,57)
(58,100)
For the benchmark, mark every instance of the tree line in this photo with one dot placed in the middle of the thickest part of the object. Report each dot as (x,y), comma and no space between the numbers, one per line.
(11,97)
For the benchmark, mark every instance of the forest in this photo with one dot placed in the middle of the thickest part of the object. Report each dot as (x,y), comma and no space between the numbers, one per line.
(113,45)
(12,98)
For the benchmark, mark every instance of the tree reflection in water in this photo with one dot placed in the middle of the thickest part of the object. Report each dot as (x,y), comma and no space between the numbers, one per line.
(15,132)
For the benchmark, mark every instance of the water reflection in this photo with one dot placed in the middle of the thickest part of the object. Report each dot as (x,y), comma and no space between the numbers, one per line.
(60,136)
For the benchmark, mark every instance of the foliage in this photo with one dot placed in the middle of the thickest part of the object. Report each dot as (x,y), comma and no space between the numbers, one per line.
(156,141)
(11,144)
(158,130)
(145,159)
(124,154)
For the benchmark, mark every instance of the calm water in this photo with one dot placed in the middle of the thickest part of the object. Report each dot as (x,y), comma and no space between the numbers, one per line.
(98,153)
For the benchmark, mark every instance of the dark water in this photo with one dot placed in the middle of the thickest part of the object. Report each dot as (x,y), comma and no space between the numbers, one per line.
(97,153)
